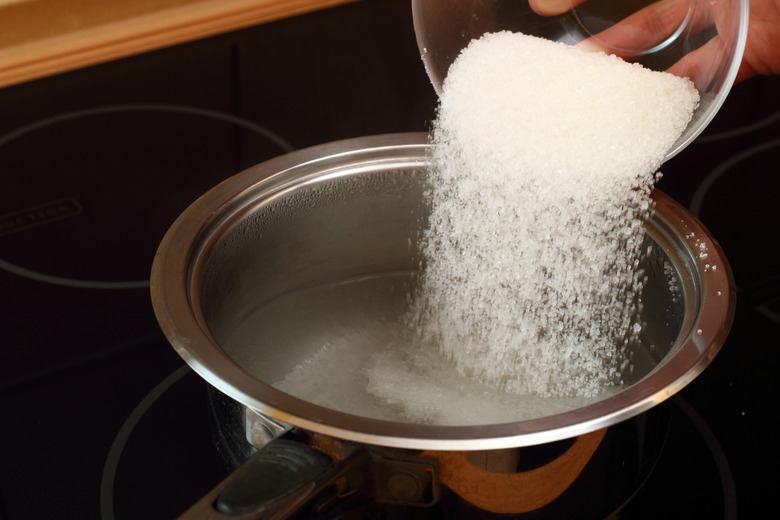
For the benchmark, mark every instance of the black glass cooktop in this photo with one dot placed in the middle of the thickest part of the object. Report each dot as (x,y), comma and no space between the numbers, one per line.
(101,419)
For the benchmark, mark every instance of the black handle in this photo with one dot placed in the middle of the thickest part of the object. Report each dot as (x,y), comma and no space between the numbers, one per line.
(273,483)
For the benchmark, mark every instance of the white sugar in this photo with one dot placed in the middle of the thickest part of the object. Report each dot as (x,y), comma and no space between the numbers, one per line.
(544,158)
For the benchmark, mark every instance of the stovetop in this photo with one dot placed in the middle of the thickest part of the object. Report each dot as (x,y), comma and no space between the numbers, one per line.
(101,418)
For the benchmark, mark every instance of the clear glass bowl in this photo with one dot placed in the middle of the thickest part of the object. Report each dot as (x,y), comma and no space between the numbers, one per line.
(699,39)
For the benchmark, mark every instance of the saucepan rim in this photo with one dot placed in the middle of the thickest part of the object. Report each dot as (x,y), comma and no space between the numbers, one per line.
(175,291)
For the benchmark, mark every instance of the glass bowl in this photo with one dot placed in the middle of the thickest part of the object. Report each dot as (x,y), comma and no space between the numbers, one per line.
(699,39)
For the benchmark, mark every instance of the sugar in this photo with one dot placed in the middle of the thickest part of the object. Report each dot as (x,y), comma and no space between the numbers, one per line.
(544,157)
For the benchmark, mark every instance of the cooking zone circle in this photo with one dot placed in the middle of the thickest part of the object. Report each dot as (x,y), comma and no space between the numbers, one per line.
(78,209)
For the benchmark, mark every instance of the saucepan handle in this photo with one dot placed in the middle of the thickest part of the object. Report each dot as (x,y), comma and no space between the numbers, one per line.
(273,483)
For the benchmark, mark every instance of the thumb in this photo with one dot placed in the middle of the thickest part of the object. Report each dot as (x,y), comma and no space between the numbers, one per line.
(553,7)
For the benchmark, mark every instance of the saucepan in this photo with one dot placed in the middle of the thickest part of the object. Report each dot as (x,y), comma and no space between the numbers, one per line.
(287,274)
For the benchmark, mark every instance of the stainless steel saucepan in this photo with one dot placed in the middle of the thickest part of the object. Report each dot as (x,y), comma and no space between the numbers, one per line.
(326,216)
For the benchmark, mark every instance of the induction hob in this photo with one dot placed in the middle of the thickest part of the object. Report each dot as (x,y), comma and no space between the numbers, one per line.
(101,417)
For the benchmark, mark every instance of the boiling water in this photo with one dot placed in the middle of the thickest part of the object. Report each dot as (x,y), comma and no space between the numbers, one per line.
(346,346)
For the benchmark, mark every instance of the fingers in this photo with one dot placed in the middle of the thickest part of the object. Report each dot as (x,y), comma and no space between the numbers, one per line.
(647,28)
(762,50)
(553,7)
(697,65)
(668,21)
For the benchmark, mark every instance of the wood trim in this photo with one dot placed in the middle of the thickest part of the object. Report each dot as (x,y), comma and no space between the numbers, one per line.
(91,44)
(516,493)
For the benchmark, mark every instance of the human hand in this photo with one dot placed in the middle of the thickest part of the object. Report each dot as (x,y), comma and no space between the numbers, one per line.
(762,50)
(658,21)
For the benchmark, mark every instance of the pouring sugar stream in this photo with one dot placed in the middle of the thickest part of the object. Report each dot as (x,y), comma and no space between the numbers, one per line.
(544,159)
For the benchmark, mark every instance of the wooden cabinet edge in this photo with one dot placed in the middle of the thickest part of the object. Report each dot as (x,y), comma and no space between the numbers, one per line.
(145,33)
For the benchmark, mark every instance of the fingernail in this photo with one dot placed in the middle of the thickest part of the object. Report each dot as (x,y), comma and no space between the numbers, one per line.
(551,7)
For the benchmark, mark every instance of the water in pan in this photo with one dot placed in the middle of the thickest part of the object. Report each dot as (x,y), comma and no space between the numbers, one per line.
(344,345)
